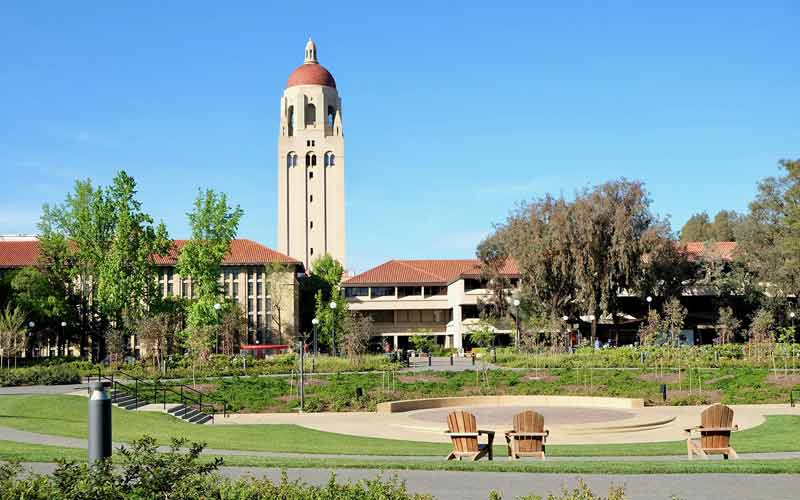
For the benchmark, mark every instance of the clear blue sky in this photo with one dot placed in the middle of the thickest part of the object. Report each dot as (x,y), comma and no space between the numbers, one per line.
(452,113)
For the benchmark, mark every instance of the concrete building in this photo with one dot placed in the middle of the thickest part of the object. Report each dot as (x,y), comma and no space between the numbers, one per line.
(430,297)
(270,301)
(311,214)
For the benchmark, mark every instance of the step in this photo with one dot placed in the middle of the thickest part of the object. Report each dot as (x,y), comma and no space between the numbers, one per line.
(133,405)
(202,419)
(122,399)
(188,415)
(185,412)
(176,409)
(198,417)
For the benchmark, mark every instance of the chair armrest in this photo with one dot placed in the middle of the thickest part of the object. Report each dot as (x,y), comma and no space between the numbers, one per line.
(462,434)
(490,433)
(716,429)
(531,434)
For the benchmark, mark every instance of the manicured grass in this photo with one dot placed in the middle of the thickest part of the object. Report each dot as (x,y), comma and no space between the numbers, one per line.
(10,450)
(66,416)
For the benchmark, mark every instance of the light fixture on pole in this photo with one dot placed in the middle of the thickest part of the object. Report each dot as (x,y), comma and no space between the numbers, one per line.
(58,341)
(315,322)
(332,305)
(792,315)
(516,324)
(649,300)
(31,324)
(217,307)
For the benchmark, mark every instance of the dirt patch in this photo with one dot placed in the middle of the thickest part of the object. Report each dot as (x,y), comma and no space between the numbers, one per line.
(204,388)
(788,381)
(315,381)
(410,379)
(692,398)
(667,378)
(531,377)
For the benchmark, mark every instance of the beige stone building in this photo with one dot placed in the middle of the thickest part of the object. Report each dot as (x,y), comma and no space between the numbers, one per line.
(413,297)
(270,301)
(311,213)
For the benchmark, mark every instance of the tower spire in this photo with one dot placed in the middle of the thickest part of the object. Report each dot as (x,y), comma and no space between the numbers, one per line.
(311,52)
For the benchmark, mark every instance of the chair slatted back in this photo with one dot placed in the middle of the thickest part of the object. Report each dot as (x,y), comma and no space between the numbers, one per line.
(716,416)
(461,421)
(529,421)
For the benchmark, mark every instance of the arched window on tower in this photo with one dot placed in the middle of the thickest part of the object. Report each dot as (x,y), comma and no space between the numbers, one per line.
(331,116)
(290,120)
(330,159)
(313,160)
(291,159)
(311,114)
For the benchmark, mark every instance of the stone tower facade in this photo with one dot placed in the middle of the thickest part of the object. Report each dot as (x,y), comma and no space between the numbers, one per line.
(311,213)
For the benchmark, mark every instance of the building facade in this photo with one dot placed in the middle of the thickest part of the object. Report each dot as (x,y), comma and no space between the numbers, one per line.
(311,213)
(422,297)
(263,282)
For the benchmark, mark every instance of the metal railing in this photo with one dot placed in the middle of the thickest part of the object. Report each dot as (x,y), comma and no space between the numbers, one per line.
(794,395)
(140,389)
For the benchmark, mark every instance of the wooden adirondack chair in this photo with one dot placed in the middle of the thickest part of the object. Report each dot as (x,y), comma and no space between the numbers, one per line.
(716,425)
(464,434)
(528,437)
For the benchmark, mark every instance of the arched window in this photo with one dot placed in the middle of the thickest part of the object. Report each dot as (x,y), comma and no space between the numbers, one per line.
(290,120)
(311,114)
(313,160)
(333,160)
(291,159)
(331,115)
(308,159)
(330,159)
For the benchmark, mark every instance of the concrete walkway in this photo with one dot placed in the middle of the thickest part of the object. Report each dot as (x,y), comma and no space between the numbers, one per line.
(477,485)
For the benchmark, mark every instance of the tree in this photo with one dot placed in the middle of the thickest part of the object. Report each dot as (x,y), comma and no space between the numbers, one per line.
(761,327)
(422,341)
(769,236)
(12,334)
(278,278)
(494,258)
(697,228)
(538,236)
(214,225)
(727,325)
(674,319)
(331,321)
(650,330)
(127,276)
(232,328)
(328,269)
(357,333)
(666,268)
(609,223)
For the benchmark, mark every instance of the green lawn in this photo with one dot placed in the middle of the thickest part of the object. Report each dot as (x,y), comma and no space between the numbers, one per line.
(10,450)
(66,416)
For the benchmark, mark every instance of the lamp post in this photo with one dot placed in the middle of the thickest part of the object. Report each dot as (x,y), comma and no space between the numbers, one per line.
(332,305)
(315,322)
(217,307)
(792,315)
(31,324)
(302,341)
(649,300)
(516,324)
(565,318)
(58,341)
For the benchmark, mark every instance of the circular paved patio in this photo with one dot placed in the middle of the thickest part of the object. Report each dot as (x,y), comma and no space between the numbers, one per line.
(504,415)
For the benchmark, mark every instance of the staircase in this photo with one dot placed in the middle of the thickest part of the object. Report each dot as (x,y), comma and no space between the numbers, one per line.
(131,393)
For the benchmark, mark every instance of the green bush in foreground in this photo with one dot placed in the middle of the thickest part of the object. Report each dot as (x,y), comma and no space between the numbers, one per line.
(142,473)
(40,375)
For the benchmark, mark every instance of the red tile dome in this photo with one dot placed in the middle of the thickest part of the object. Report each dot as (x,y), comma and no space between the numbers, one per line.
(311,74)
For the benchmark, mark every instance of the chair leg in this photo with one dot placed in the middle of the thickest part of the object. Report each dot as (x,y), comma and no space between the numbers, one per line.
(451,456)
(689,449)
(732,454)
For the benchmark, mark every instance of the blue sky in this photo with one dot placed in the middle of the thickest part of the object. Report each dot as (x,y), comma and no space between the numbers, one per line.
(453,113)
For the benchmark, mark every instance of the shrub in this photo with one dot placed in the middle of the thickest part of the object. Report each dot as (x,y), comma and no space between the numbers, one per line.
(40,375)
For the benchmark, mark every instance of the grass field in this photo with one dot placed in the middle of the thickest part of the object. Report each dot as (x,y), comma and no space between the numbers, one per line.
(66,416)
(40,453)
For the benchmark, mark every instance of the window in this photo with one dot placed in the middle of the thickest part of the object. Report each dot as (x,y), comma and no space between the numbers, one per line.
(291,160)
(409,291)
(311,114)
(311,224)
(311,198)
(330,159)
(431,291)
(312,250)
(184,287)
(474,284)
(235,283)
(311,160)
(382,291)
(290,120)
(356,291)
(311,175)
(381,316)
(169,282)
(331,116)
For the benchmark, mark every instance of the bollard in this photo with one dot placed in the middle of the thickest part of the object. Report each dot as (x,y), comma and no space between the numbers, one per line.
(641,357)
(359,393)
(494,355)
(473,359)
(451,359)
(99,422)
(430,360)
(716,358)
(664,392)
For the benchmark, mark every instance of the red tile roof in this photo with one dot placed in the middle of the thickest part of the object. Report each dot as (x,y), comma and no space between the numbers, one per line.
(18,253)
(25,253)
(439,271)
(725,250)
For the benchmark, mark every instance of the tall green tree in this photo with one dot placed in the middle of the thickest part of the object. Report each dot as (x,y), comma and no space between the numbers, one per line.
(697,228)
(214,225)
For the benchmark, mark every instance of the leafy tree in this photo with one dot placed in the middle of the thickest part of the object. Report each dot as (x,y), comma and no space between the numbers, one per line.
(726,225)
(357,332)
(697,228)
(482,335)
(609,224)
(328,269)
(43,301)
(674,319)
(666,268)
(494,258)
(232,328)
(761,326)
(423,341)
(650,330)
(214,224)
(127,276)
(12,334)
(278,277)
(727,325)
(331,321)
(538,236)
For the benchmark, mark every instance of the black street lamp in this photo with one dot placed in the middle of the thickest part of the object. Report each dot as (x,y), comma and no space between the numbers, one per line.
(332,305)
